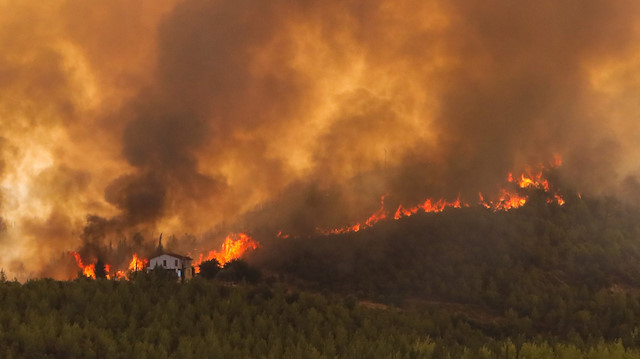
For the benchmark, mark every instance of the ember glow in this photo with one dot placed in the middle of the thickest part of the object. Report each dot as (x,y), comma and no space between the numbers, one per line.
(121,119)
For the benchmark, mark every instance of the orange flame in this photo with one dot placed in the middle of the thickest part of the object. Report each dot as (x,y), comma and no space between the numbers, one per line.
(429,206)
(376,217)
(379,215)
(482,201)
(558,199)
(233,247)
(507,199)
(531,181)
(88,270)
(137,264)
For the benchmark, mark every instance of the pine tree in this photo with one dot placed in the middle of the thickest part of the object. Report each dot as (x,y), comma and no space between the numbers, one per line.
(101,271)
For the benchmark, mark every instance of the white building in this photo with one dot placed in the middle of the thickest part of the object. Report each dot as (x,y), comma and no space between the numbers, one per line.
(170,261)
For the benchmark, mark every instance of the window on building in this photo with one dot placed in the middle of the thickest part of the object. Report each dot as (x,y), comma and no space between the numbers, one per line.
(164,262)
(176,262)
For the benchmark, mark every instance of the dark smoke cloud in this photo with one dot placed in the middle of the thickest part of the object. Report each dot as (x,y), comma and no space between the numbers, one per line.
(522,91)
(204,92)
(141,198)
(516,93)
(203,116)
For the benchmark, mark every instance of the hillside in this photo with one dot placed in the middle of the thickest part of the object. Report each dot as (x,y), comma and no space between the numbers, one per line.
(541,281)
(150,317)
(567,271)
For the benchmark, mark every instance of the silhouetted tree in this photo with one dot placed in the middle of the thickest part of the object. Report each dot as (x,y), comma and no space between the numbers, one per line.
(209,269)
(238,270)
(101,271)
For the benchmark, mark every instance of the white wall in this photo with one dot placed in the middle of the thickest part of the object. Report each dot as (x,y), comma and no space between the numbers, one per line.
(166,261)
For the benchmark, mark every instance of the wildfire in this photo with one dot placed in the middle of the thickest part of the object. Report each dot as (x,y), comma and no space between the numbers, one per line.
(88,270)
(429,205)
(514,194)
(376,217)
(531,181)
(233,247)
(379,215)
(509,197)
(556,199)
(137,264)
(507,200)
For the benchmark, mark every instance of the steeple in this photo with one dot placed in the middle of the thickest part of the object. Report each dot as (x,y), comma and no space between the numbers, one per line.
(160,248)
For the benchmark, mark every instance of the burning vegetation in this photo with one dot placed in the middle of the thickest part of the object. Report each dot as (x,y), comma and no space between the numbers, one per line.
(234,246)
(505,283)
(88,270)
(429,149)
(513,194)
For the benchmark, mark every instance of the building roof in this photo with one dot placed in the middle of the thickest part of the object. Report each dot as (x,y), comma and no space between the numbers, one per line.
(171,255)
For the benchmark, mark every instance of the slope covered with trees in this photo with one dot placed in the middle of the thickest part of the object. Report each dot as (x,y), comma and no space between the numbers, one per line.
(152,317)
(569,271)
(542,281)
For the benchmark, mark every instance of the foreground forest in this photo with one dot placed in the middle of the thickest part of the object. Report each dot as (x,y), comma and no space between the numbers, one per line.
(542,281)
(152,317)
(570,272)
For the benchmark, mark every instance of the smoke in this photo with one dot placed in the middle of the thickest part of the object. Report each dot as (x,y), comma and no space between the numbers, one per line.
(201,116)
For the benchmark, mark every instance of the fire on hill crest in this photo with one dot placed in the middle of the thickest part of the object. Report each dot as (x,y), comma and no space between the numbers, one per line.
(514,193)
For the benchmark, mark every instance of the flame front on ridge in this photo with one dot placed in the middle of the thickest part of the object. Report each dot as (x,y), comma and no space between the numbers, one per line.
(507,199)
(235,245)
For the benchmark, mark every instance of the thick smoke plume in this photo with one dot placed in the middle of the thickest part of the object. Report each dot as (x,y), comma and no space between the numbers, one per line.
(201,116)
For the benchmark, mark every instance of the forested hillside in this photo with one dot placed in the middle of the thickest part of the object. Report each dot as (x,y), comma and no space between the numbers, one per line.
(542,281)
(152,317)
(570,271)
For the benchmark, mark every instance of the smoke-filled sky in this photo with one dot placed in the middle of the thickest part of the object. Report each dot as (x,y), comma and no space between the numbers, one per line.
(198,116)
